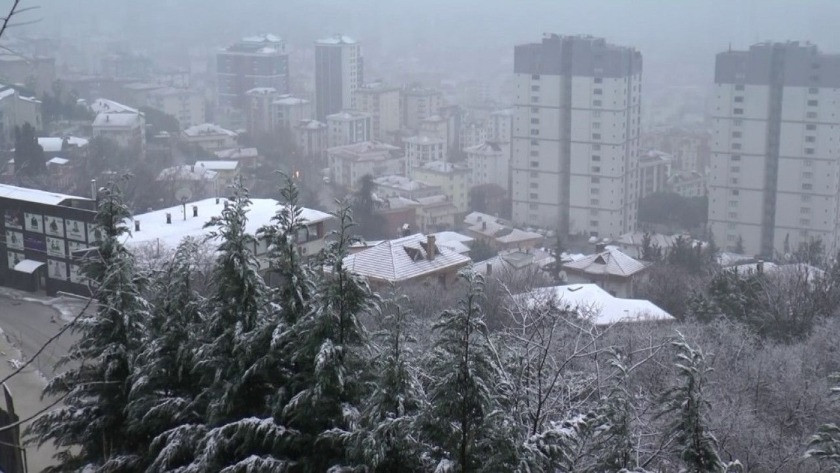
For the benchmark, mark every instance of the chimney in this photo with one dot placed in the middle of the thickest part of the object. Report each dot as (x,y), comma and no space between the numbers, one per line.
(195,211)
(489,269)
(93,189)
(137,225)
(484,225)
(430,247)
(168,217)
(759,266)
(600,247)
(226,202)
(217,201)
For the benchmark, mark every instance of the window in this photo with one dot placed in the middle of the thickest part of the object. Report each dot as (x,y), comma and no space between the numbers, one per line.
(738,111)
(810,127)
(811,115)
(534,185)
(593,212)
(533,196)
(809,151)
(733,181)
(596,147)
(812,103)
(535,131)
(735,169)
(535,110)
(804,210)
(599,80)
(737,122)
(813,90)
(733,203)
(535,142)
(596,136)
(598,91)
(806,186)
(804,221)
(593,223)
(596,157)
(533,206)
(736,157)
(596,125)
(596,168)
(810,139)
(807,175)
(535,99)
(535,153)
(594,202)
(594,190)
(806,198)
(736,145)
(739,87)
(736,134)
(596,103)
(595,180)
(535,77)
(535,88)
(733,215)
(535,174)
(739,99)
(535,121)
(735,192)
(535,164)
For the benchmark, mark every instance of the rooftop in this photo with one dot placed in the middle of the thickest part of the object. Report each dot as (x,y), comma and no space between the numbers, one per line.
(610,262)
(219,165)
(346,115)
(206,129)
(117,120)
(337,39)
(288,99)
(262,91)
(262,38)
(53,144)
(154,229)
(443,167)
(311,125)
(404,259)
(424,140)
(364,150)
(34,195)
(110,106)
(237,153)
(400,182)
(488,147)
(186,172)
(597,305)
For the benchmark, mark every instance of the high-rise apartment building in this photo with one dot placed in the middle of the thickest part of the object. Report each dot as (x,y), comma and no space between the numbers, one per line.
(256,61)
(775,148)
(418,104)
(338,73)
(383,104)
(575,138)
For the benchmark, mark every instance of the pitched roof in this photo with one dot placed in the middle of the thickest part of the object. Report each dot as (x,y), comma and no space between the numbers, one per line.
(207,129)
(608,262)
(117,120)
(596,304)
(35,195)
(53,144)
(218,165)
(403,259)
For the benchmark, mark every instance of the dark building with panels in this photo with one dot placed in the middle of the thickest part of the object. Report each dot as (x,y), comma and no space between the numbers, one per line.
(257,61)
(41,231)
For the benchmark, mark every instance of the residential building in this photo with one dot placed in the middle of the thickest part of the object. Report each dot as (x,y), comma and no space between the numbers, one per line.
(773,181)
(158,233)
(499,234)
(41,231)
(687,183)
(311,137)
(400,186)
(458,242)
(255,61)
(422,149)
(654,169)
(348,164)
(246,157)
(436,213)
(412,259)
(437,127)
(187,182)
(187,105)
(64,147)
(348,127)
(227,170)
(516,265)
(338,73)
(419,103)
(210,137)
(383,105)
(574,164)
(452,179)
(121,123)
(474,133)
(15,111)
(260,109)
(35,72)
(609,268)
(287,111)
(500,126)
(598,306)
(489,163)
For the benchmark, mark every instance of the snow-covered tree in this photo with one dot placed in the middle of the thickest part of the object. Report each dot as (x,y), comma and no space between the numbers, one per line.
(824,445)
(92,428)
(465,423)
(164,381)
(329,350)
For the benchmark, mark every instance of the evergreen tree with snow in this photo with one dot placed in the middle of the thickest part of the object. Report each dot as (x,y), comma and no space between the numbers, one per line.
(165,384)
(824,445)
(92,428)
(464,424)
(329,350)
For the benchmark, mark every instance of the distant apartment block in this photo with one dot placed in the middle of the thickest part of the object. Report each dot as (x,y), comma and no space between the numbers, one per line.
(348,164)
(123,124)
(452,179)
(419,103)
(288,111)
(654,169)
(311,137)
(15,111)
(255,61)
(774,157)
(348,127)
(259,109)
(210,137)
(575,135)
(338,73)
(489,163)
(383,104)
(186,105)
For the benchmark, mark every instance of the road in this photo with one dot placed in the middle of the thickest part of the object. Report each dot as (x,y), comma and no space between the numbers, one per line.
(28,325)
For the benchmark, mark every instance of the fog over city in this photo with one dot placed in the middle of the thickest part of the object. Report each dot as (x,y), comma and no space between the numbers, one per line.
(419,236)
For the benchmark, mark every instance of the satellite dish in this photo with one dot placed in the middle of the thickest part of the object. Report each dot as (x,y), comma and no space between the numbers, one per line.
(183,194)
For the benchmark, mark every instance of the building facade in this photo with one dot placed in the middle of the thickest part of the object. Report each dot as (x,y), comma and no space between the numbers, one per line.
(260,100)
(451,178)
(489,163)
(186,105)
(774,164)
(420,150)
(338,73)
(288,111)
(576,116)
(348,164)
(383,104)
(419,103)
(348,127)
(311,137)
(255,61)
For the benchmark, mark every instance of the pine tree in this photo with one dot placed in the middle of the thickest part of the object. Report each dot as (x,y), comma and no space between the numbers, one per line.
(164,382)
(697,447)
(385,440)
(329,348)
(464,424)
(824,445)
(92,427)
(29,155)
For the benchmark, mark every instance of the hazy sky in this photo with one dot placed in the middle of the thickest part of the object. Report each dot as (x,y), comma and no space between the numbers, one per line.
(676,37)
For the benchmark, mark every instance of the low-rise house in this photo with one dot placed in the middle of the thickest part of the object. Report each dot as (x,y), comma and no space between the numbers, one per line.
(457,241)
(515,264)
(348,127)
(210,137)
(498,234)
(593,303)
(411,259)
(62,147)
(489,163)
(311,137)
(348,164)
(436,213)
(400,186)
(451,178)
(15,111)
(247,157)
(187,182)
(227,170)
(610,268)
(121,123)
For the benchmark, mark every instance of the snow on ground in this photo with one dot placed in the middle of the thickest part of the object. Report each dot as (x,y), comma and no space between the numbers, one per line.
(68,307)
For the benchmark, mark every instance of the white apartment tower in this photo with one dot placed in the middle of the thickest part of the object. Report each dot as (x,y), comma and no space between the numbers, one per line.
(338,73)
(575,137)
(775,148)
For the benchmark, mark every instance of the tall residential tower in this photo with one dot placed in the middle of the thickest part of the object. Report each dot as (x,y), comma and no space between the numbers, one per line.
(775,145)
(338,73)
(256,61)
(575,135)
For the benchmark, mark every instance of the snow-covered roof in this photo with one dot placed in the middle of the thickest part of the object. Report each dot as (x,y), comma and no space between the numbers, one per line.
(154,229)
(218,165)
(611,261)
(658,239)
(518,236)
(6,93)
(423,140)
(337,39)
(28,266)
(58,161)
(403,259)
(400,182)
(486,148)
(443,167)
(450,236)
(237,153)
(362,151)
(110,106)
(52,144)
(311,125)
(262,91)
(347,115)
(288,99)
(597,305)
(116,120)
(35,195)
(262,38)
(514,260)
(186,172)
(207,129)
(477,217)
